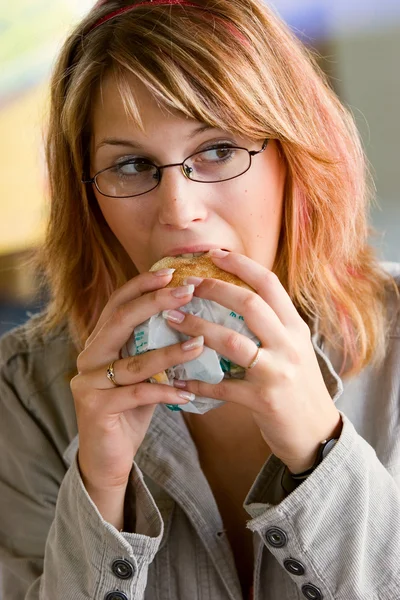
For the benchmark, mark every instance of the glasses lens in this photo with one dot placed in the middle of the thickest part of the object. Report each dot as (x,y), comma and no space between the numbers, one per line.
(128,179)
(218,164)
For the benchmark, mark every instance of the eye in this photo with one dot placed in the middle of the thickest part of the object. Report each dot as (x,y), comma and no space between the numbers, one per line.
(216,154)
(133,167)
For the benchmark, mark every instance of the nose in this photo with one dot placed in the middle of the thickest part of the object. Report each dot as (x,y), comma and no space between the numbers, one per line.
(180,199)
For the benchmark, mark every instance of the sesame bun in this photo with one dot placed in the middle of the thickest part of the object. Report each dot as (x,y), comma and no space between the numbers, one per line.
(198,266)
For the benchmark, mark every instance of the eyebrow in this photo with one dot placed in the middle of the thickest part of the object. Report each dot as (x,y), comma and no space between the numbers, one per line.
(134,144)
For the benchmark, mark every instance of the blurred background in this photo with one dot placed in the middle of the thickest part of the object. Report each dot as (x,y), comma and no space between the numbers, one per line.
(358,44)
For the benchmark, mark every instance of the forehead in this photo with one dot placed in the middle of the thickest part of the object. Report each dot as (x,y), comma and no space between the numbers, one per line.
(145,114)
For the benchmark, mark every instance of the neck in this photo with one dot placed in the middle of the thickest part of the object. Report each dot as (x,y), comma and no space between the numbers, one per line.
(230,428)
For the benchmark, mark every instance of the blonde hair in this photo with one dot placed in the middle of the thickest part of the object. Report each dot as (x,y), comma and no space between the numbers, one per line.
(234,65)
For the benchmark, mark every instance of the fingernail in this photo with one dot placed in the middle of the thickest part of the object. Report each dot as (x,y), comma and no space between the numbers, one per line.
(162,272)
(218,253)
(173,315)
(194,280)
(182,291)
(179,383)
(186,396)
(195,342)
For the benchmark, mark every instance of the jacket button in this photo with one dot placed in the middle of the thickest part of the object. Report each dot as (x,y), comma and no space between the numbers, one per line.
(311,592)
(294,566)
(276,537)
(122,568)
(116,596)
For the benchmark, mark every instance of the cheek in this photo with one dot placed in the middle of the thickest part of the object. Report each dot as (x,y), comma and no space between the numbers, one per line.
(256,214)
(131,227)
(264,196)
(253,205)
(122,215)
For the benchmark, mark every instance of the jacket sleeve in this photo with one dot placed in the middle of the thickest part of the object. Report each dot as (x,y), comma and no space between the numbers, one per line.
(337,535)
(53,541)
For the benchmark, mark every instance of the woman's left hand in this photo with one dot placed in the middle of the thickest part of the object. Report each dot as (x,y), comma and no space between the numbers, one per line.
(285,390)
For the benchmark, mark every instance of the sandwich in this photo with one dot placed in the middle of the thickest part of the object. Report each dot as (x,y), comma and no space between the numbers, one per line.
(199,265)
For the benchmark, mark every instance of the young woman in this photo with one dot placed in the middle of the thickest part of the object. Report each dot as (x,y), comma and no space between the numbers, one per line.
(180,127)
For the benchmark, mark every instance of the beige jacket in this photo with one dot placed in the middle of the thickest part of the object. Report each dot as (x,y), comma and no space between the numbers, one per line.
(336,537)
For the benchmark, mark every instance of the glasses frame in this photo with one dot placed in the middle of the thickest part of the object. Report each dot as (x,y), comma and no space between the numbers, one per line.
(251,153)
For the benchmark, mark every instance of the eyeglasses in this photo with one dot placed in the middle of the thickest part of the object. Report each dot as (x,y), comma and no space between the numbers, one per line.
(137,176)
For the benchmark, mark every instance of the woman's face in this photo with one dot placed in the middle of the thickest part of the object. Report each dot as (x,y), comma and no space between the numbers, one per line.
(242,215)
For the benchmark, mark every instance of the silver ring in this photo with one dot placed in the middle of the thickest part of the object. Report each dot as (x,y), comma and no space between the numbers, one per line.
(111,374)
(255,359)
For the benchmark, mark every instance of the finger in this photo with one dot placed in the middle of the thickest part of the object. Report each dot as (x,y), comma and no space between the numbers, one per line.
(121,399)
(258,315)
(109,340)
(265,282)
(134,288)
(232,345)
(140,367)
(237,391)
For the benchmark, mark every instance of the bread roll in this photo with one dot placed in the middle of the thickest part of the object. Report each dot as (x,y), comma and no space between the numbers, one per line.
(198,266)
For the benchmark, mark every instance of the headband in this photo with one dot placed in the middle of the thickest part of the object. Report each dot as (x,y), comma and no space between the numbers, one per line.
(125,9)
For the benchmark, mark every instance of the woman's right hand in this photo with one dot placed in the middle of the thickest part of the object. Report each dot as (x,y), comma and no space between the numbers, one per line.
(113,421)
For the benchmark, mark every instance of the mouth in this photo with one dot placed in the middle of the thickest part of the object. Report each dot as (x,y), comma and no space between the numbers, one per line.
(191,254)
(197,251)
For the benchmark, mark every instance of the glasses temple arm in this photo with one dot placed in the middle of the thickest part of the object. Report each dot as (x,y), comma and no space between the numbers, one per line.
(254,152)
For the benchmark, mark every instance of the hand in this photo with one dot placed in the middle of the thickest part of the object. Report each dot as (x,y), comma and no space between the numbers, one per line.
(112,421)
(285,390)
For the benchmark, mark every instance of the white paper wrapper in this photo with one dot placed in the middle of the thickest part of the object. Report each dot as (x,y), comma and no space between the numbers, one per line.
(210,366)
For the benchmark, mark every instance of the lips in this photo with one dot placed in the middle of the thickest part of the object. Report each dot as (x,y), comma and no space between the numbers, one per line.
(190,254)
(185,251)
